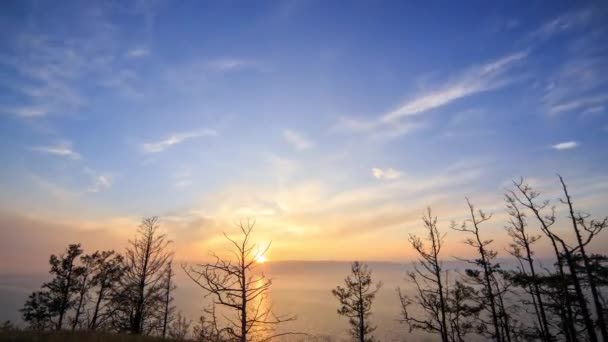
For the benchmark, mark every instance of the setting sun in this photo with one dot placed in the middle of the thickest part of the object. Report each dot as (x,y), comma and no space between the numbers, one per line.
(260,259)
(210,170)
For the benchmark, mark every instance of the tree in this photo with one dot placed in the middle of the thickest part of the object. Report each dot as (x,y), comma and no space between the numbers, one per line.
(36,311)
(485,276)
(62,288)
(431,288)
(207,328)
(236,285)
(168,286)
(463,311)
(140,298)
(521,249)
(565,258)
(180,327)
(592,228)
(108,273)
(528,198)
(356,301)
(83,285)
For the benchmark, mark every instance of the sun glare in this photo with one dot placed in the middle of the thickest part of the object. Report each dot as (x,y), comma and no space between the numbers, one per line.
(260,259)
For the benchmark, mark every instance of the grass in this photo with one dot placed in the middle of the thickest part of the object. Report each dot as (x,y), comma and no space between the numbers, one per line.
(72,336)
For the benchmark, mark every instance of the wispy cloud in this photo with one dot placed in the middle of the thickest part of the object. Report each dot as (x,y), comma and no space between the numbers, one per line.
(26,112)
(62,150)
(100,183)
(138,52)
(229,64)
(478,79)
(183,183)
(386,174)
(174,139)
(183,178)
(594,110)
(562,23)
(567,145)
(297,140)
(589,104)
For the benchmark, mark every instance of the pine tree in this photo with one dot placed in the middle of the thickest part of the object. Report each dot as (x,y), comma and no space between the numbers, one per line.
(356,301)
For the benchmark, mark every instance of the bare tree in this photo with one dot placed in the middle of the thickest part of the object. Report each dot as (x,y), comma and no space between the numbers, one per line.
(529,199)
(431,288)
(592,228)
(180,327)
(356,301)
(140,299)
(521,249)
(491,291)
(236,285)
(207,328)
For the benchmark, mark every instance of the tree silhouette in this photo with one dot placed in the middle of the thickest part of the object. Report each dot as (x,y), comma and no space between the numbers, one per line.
(84,283)
(521,249)
(236,285)
(63,287)
(486,274)
(108,271)
(591,228)
(528,198)
(427,277)
(168,287)
(565,259)
(180,327)
(207,328)
(140,298)
(36,311)
(356,301)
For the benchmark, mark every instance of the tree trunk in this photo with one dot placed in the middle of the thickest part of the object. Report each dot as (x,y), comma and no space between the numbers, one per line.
(93,324)
(65,298)
(83,293)
(596,300)
(580,295)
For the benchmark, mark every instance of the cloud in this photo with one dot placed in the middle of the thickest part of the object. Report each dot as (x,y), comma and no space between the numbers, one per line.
(562,23)
(27,112)
(174,139)
(296,140)
(138,52)
(183,183)
(594,110)
(229,64)
(63,150)
(100,183)
(592,101)
(387,174)
(565,145)
(478,79)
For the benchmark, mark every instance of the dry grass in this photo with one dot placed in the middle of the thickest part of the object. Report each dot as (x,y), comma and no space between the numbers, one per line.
(71,336)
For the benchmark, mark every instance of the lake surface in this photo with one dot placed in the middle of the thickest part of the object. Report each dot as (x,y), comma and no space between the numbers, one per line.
(302,288)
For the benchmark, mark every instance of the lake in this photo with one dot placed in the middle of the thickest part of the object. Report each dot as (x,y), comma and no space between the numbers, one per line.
(302,288)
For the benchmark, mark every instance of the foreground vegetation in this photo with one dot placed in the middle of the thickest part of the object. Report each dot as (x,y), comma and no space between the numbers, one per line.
(132,293)
(17,335)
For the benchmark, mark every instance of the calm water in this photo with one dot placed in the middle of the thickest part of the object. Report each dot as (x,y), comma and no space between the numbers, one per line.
(300,288)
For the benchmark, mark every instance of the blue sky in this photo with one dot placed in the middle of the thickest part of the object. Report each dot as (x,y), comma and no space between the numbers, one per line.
(317,117)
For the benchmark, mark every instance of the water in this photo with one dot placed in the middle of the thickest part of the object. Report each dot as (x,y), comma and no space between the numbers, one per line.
(301,288)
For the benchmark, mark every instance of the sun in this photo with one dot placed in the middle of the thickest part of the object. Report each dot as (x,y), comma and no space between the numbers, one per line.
(260,259)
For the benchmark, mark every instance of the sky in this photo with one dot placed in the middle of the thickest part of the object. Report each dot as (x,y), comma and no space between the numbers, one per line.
(334,124)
